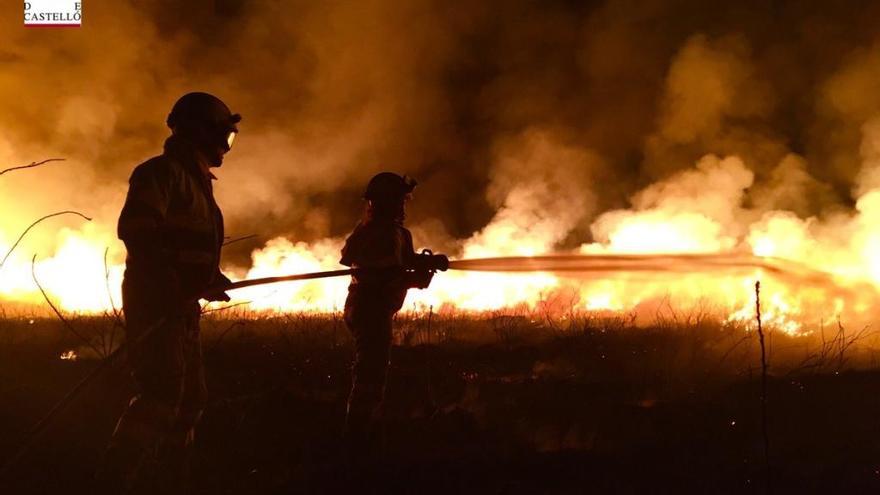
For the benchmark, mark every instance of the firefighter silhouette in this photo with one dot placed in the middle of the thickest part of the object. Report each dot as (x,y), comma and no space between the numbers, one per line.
(381,250)
(173,231)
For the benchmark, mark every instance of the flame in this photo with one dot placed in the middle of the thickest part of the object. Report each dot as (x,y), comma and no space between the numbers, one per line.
(69,355)
(675,216)
(74,276)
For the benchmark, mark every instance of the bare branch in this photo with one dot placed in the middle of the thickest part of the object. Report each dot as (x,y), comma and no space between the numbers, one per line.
(68,212)
(239,239)
(116,314)
(224,308)
(32,165)
(764,365)
(219,339)
(58,313)
(117,321)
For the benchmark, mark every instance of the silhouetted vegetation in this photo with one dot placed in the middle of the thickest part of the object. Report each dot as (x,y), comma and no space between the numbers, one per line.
(502,402)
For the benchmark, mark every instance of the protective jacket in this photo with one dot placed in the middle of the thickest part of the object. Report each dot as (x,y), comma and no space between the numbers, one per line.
(383,249)
(171,225)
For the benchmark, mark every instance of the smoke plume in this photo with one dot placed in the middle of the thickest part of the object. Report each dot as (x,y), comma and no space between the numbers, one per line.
(531,126)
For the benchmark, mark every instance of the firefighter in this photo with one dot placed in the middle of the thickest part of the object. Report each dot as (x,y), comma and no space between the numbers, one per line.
(382,251)
(173,231)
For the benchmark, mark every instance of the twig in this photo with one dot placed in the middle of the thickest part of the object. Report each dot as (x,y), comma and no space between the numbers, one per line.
(67,212)
(31,165)
(116,314)
(58,313)
(430,317)
(763,384)
(117,322)
(220,338)
(730,351)
(224,308)
(239,239)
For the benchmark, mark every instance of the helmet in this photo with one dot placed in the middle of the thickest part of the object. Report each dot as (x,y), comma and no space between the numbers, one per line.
(388,185)
(207,112)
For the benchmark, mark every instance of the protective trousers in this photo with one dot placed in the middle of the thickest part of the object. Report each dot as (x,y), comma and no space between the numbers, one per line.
(370,325)
(159,423)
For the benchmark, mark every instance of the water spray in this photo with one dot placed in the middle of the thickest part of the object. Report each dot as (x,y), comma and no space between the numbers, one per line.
(595,266)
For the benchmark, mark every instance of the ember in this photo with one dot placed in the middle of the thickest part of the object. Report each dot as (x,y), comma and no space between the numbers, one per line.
(69,355)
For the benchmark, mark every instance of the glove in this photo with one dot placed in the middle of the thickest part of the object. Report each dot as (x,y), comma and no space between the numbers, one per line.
(219,295)
(427,260)
(419,279)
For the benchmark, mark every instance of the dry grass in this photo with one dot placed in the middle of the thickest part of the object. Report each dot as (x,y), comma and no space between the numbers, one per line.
(483,390)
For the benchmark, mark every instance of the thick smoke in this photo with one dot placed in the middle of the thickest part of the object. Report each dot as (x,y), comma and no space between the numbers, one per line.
(542,190)
(521,119)
(693,211)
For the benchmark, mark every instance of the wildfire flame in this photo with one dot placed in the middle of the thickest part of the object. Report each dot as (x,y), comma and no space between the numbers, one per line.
(76,276)
(69,355)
